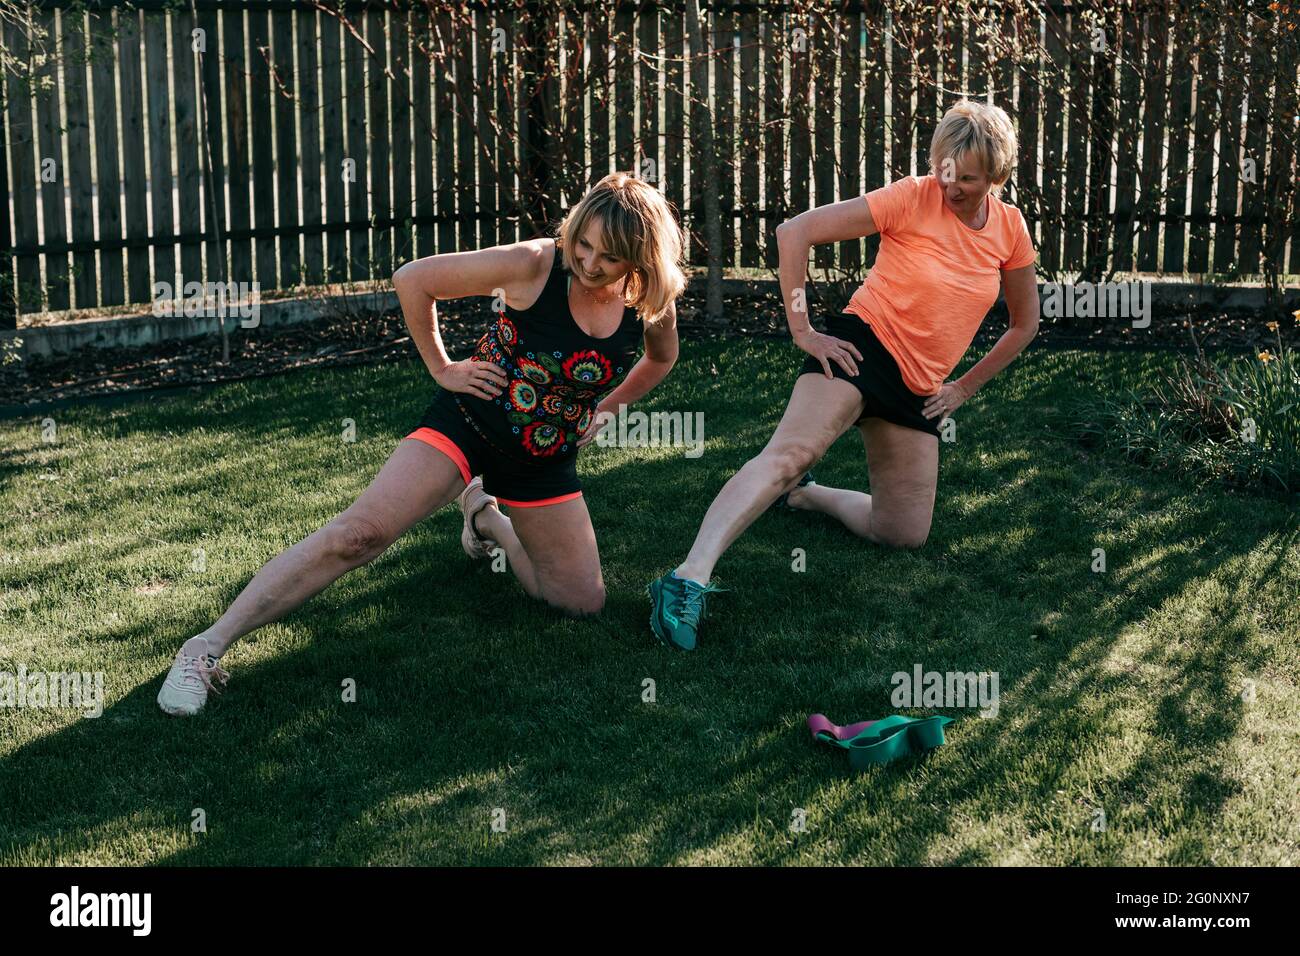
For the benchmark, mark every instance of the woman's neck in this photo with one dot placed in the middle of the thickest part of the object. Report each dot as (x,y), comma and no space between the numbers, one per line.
(612,297)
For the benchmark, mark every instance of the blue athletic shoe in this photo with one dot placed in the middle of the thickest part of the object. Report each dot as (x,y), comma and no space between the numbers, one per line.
(677,606)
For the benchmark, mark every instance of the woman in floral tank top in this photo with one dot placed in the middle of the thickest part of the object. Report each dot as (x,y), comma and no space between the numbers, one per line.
(505,424)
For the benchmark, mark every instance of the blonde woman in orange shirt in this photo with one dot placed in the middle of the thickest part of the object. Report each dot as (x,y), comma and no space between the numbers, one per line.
(948,243)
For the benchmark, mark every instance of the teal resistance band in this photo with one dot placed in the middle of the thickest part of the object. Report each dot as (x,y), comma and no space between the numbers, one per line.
(880,741)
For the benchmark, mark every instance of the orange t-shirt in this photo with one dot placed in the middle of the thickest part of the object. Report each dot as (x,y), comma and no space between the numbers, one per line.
(935,278)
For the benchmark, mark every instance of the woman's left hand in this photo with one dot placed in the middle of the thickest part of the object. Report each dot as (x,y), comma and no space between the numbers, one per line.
(948,399)
(594,426)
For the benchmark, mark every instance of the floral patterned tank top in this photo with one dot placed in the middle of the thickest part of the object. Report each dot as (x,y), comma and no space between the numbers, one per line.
(557,374)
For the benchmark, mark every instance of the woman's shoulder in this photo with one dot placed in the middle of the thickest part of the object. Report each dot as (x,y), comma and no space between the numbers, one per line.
(545,263)
(1004,211)
(910,185)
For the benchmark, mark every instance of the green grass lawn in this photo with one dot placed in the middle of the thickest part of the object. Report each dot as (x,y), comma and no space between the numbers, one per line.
(1121,692)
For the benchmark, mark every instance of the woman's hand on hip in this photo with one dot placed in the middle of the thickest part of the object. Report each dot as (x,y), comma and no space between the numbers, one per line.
(825,347)
(596,424)
(946,401)
(481,379)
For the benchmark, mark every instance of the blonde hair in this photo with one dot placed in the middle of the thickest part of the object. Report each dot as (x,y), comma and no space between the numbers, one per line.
(637,225)
(971,126)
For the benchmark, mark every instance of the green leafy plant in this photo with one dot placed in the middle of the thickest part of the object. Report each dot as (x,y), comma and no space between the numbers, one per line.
(1235,420)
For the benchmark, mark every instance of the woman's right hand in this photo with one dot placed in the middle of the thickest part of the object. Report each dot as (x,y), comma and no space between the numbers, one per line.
(824,347)
(482,379)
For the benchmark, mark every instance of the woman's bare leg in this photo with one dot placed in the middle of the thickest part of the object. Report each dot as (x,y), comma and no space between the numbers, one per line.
(904,468)
(416,480)
(561,547)
(819,411)
(852,508)
(492,523)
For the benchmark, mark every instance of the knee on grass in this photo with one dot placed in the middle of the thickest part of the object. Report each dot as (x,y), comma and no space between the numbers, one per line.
(576,602)
(903,539)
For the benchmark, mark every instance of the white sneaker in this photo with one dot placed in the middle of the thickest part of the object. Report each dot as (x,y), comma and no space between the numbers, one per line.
(185,690)
(473,500)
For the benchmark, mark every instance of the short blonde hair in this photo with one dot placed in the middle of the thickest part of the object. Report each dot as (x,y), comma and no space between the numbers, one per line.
(637,224)
(971,126)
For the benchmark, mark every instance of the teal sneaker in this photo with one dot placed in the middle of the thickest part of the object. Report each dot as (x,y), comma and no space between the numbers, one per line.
(677,607)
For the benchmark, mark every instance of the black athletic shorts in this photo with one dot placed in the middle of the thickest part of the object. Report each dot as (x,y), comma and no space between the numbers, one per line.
(447,427)
(878,378)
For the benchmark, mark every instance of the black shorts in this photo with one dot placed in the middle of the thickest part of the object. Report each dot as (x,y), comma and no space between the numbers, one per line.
(511,481)
(878,378)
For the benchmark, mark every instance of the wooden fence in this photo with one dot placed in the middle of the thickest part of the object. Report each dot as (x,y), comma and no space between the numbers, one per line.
(346,138)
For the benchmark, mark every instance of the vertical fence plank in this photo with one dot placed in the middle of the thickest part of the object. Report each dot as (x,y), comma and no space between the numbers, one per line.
(598,78)
(380,143)
(309,87)
(186,125)
(400,90)
(542,109)
(236,135)
(751,229)
(774,114)
(927,79)
(332,121)
(1028,102)
(850,73)
(624,89)
(1258,107)
(1229,149)
(801,52)
(492,72)
(1287,107)
(259,117)
(444,91)
(1028,191)
(902,123)
(1004,86)
(1176,132)
(648,95)
(1206,113)
(1126,138)
(211,114)
(506,151)
(724,127)
(1101,150)
(1075,220)
(573,173)
(1280,183)
(951,74)
(697,98)
(422,128)
(821,57)
(673,173)
(1054,74)
(8,302)
(977,70)
(1156,35)
(85,268)
(162,226)
(138,267)
(466,219)
(22,149)
(49,128)
(108,176)
(355,59)
(874,116)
